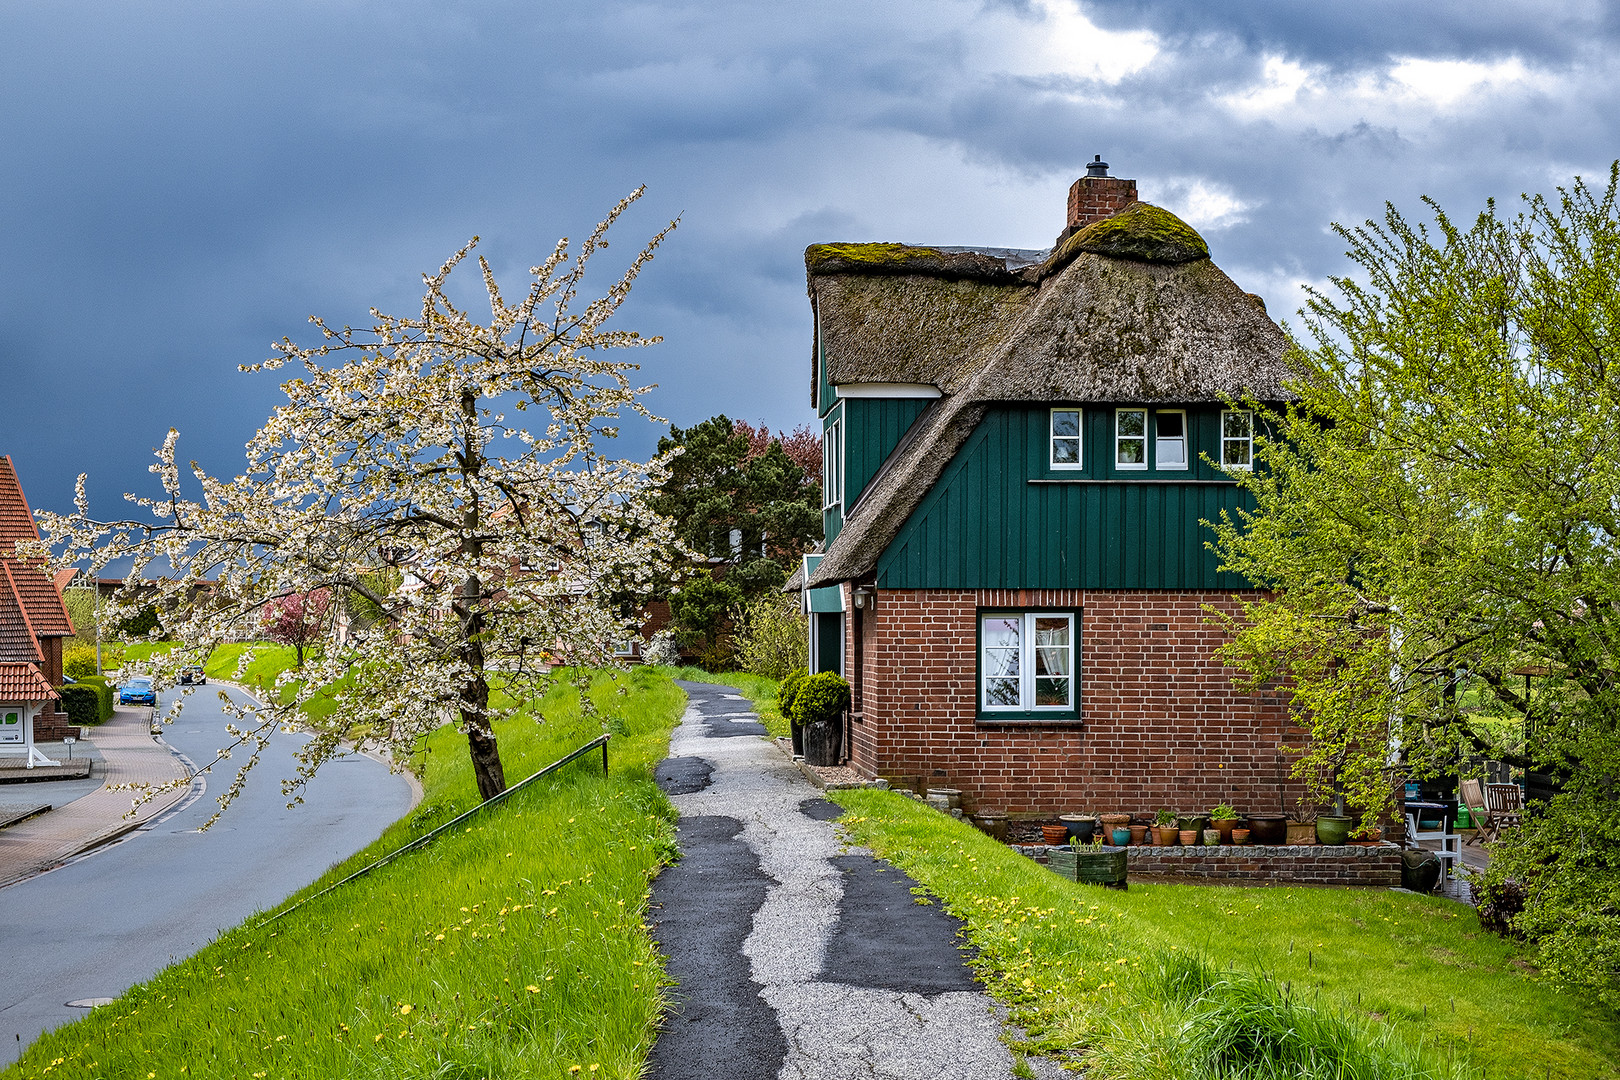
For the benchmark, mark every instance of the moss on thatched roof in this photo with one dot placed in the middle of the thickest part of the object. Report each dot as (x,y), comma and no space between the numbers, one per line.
(903,259)
(1141,232)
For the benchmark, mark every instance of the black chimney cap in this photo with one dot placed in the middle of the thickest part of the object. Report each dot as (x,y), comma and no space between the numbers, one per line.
(1097,167)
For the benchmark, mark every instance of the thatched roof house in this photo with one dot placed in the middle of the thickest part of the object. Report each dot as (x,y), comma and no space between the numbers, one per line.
(1020,450)
(1126,309)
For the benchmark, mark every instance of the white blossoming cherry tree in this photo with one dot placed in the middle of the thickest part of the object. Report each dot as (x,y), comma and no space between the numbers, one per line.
(465,552)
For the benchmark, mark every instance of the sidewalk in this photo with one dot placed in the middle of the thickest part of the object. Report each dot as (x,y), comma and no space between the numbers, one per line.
(794,954)
(127,754)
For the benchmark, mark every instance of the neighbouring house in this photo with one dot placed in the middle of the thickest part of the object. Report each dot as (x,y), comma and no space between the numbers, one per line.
(33,622)
(1020,450)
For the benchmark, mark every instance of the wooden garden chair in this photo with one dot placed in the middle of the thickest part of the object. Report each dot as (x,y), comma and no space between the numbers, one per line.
(1472,793)
(1506,802)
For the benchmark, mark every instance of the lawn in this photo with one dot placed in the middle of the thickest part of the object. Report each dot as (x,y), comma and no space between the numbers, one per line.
(1413,981)
(513,947)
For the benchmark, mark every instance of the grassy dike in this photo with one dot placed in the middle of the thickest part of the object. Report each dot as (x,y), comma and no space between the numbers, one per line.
(1190,982)
(515,947)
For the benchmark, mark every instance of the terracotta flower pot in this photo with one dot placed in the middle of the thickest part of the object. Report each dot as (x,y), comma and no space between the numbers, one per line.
(1224,826)
(1165,835)
(1240,836)
(1189,837)
(1139,834)
(1055,834)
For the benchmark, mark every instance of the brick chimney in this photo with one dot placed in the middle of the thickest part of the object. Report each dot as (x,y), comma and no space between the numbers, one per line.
(1095,196)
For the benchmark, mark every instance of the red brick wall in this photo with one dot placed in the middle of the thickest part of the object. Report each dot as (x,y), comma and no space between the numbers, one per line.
(1093,198)
(1162,725)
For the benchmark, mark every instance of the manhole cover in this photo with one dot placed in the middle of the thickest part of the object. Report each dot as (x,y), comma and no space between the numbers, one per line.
(89,1003)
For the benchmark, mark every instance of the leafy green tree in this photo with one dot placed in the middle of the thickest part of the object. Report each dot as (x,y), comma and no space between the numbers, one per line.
(701,608)
(741,495)
(1439,515)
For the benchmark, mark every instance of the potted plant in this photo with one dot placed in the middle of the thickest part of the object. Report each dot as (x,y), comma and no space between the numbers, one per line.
(1164,828)
(819,705)
(1080,826)
(1195,822)
(785,691)
(1224,819)
(1333,828)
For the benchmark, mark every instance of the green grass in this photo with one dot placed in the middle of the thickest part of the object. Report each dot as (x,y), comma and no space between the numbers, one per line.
(514,947)
(1083,968)
(756,688)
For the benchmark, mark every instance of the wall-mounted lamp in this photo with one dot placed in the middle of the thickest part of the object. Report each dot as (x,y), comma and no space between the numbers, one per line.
(865,598)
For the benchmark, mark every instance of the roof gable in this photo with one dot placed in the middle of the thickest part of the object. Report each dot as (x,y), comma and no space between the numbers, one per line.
(36,606)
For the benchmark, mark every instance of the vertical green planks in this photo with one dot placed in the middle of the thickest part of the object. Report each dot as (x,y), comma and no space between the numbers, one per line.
(984,525)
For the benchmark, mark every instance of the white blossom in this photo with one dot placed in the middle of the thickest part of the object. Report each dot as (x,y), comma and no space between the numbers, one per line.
(478,550)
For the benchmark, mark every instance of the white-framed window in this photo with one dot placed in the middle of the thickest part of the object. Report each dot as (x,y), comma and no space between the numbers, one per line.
(832,463)
(1170,439)
(1027,662)
(1237,439)
(1063,444)
(1130,439)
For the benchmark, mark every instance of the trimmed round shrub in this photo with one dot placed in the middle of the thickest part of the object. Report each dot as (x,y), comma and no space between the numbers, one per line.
(79,661)
(788,687)
(822,696)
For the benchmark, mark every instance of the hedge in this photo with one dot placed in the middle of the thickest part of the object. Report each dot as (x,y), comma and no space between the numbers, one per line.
(99,693)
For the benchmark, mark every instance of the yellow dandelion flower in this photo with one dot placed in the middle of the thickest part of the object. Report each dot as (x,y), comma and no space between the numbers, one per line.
(531,988)
(405,1010)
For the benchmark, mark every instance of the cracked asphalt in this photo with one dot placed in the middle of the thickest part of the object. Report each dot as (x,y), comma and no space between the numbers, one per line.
(796,955)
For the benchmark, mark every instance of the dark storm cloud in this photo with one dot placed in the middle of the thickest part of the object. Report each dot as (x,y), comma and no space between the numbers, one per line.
(183,183)
(1366,32)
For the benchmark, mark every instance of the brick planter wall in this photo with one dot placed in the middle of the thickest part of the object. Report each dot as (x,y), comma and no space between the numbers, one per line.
(1162,724)
(1297,865)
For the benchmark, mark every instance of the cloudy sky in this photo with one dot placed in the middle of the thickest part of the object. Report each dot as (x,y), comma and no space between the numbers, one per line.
(184,183)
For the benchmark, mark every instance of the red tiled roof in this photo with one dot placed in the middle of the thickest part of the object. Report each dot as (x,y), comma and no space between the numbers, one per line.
(16,642)
(38,600)
(23,682)
(16,521)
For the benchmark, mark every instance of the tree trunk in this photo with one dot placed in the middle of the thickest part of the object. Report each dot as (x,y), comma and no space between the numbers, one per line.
(486,757)
(481,744)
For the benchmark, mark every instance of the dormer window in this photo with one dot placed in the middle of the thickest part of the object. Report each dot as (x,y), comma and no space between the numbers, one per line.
(1064,444)
(1170,440)
(1130,438)
(1237,439)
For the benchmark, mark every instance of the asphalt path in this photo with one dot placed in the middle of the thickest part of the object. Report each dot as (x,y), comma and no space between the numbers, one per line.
(794,954)
(115,917)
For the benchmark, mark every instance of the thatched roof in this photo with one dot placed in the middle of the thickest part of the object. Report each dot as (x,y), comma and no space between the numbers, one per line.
(1129,309)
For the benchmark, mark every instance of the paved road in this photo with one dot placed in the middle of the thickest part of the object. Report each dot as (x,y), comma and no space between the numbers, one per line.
(796,957)
(115,917)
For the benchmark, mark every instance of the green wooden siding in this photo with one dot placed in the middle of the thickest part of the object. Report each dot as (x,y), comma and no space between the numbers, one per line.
(985,525)
(873,427)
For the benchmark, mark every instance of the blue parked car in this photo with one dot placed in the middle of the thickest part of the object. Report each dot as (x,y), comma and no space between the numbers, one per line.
(137,691)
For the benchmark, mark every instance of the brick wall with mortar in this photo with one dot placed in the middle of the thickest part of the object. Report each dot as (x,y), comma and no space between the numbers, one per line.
(1093,198)
(1302,865)
(1162,725)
